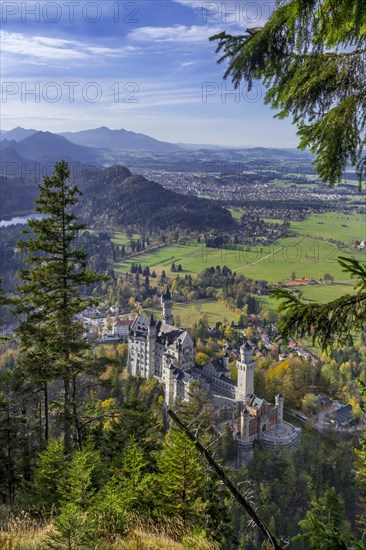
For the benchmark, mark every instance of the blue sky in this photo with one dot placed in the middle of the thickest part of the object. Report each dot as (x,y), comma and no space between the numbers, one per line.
(143,65)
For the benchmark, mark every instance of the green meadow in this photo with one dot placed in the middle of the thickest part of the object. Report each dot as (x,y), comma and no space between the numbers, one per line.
(307,257)
(309,254)
(121,238)
(326,292)
(190,313)
(333,225)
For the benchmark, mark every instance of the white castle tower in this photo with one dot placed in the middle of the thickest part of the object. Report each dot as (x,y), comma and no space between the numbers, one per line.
(279,405)
(244,425)
(167,305)
(245,367)
(151,347)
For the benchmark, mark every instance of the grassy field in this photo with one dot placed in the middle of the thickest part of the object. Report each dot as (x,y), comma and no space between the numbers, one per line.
(190,313)
(308,255)
(121,238)
(333,225)
(324,293)
(304,256)
(236,213)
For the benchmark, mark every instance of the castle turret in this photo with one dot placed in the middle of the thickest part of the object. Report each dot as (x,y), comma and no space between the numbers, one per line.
(244,424)
(225,360)
(245,367)
(169,381)
(151,347)
(279,405)
(167,305)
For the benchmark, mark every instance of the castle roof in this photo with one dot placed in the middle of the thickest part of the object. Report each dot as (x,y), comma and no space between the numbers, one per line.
(140,323)
(256,402)
(219,366)
(166,294)
(248,346)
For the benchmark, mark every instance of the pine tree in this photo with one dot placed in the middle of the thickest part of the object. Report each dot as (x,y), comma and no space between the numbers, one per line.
(81,477)
(52,345)
(182,478)
(3,301)
(323,526)
(49,470)
(74,526)
(131,483)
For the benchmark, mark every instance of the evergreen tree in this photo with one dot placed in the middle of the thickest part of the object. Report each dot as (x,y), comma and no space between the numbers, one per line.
(181,478)
(81,477)
(323,526)
(74,526)
(311,57)
(52,345)
(131,483)
(49,470)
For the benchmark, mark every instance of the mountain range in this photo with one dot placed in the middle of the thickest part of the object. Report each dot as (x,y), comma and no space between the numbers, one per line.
(45,147)
(35,145)
(119,139)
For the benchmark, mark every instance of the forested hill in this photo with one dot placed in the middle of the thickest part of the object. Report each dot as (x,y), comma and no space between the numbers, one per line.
(116,197)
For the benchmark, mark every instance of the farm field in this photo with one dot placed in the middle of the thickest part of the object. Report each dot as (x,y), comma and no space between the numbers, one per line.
(190,313)
(333,225)
(325,293)
(121,237)
(308,255)
(304,256)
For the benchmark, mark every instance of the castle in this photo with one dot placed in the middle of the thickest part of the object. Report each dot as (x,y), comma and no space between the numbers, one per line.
(158,349)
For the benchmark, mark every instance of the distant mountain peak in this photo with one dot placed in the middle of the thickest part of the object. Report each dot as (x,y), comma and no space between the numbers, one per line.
(18,133)
(121,140)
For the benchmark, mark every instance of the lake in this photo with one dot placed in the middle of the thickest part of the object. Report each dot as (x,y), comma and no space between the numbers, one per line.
(19,220)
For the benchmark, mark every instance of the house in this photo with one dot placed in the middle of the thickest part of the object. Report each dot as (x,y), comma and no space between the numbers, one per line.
(323,403)
(120,328)
(342,418)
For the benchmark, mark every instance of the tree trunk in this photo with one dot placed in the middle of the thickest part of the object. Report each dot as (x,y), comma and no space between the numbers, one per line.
(26,451)
(67,416)
(75,414)
(9,458)
(46,413)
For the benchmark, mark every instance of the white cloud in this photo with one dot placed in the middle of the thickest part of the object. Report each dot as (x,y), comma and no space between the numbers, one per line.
(232,12)
(178,33)
(39,46)
(187,63)
(195,4)
(44,47)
